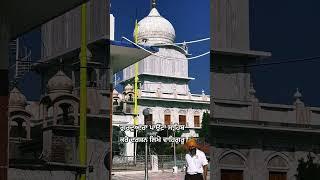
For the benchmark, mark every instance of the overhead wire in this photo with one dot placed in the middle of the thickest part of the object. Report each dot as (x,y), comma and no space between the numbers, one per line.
(276,62)
(164,57)
(194,41)
(102,66)
(286,61)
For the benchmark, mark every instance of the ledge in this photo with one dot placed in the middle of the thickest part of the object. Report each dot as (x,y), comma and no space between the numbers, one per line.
(36,164)
(175,100)
(62,127)
(240,52)
(265,125)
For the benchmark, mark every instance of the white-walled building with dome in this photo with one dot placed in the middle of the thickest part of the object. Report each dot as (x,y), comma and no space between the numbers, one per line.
(163,83)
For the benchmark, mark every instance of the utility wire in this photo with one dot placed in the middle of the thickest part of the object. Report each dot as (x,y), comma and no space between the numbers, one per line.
(276,62)
(195,41)
(286,61)
(157,55)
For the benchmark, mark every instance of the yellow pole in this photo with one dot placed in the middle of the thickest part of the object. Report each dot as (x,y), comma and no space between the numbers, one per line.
(83,92)
(136,80)
(136,95)
(135,118)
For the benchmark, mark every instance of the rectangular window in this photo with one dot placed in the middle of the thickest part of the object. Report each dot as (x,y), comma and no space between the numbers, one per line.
(167,119)
(196,121)
(182,120)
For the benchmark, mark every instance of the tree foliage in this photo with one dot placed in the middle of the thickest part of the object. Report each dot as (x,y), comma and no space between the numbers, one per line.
(204,131)
(308,170)
(117,147)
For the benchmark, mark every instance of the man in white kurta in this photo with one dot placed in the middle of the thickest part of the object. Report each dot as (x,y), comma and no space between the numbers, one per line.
(197,163)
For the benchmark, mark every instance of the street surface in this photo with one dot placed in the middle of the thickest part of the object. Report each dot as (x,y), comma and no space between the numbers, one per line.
(139,175)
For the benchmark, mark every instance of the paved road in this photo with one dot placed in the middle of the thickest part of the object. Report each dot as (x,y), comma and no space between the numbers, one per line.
(139,175)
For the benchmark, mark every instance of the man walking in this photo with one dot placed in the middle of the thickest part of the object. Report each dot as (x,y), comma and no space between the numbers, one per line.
(197,163)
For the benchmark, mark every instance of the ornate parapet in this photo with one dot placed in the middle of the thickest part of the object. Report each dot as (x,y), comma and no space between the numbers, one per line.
(266,114)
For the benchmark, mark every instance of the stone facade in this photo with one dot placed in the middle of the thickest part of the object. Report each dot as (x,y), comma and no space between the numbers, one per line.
(44,134)
(251,140)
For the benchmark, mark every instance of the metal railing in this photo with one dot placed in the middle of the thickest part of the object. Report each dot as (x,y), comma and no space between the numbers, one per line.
(164,162)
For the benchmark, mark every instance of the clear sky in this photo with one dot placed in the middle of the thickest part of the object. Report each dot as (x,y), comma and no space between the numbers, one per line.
(289,30)
(191,20)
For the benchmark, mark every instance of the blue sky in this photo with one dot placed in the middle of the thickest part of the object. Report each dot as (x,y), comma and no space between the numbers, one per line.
(289,29)
(191,20)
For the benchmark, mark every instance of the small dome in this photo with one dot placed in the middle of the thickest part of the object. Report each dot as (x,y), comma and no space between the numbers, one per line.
(17,99)
(60,83)
(115,93)
(154,29)
(128,88)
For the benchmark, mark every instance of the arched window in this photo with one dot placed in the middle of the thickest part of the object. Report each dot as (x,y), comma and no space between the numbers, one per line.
(232,166)
(277,167)
(67,118)
(115,102)
(130,97)
(232,159)
(18,128)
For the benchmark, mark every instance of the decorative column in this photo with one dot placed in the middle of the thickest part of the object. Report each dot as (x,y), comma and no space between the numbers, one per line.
(28,129)
(255,107)
(4,92)
(55,114)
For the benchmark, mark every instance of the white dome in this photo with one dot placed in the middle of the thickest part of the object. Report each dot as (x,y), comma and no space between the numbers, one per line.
(154,29)
(128,88)
(17,99)
(60,83)
(115,93)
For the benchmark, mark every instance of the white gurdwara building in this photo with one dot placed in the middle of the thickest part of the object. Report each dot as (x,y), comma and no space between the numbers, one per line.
(163,80)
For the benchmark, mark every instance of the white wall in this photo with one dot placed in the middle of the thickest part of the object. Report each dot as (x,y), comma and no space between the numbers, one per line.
(112,26)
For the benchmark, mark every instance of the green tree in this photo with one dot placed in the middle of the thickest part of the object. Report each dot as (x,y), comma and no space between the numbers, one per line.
(117,147)
(204,131)
(308,170)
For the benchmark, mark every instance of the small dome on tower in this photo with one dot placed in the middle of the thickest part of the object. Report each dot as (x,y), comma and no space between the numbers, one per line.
(60,83)
(128,88)
(17,99)
(154,29)
(115,93)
